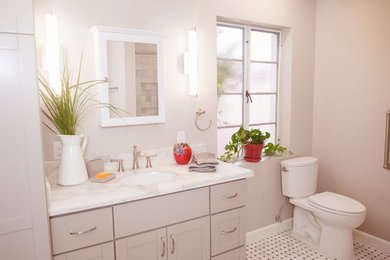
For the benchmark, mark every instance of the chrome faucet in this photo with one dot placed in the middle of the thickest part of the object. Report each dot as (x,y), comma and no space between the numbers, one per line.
(136,155)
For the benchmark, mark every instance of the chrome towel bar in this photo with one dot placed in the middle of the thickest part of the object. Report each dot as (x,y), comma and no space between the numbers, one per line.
(386,163)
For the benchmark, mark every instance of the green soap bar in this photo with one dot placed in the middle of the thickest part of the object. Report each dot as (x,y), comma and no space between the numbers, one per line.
(102,180)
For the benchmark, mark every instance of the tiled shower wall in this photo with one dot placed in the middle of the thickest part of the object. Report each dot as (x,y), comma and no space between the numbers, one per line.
(146,80)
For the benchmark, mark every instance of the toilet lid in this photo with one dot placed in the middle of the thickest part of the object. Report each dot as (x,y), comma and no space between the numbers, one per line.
(299,162)
(336,202)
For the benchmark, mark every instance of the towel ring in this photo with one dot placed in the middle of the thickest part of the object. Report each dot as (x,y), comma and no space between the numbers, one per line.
(198,114)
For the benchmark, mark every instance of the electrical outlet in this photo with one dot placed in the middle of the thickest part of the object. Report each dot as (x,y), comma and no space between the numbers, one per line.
(57,150)
(181,137)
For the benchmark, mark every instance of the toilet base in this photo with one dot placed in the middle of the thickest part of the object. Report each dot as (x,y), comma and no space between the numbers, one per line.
(330,233)
(337,242)
(305,227)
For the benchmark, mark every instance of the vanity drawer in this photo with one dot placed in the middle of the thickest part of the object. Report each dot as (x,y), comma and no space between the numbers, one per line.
(81,230)
(99,252)
(143,215)
(236,254)
(227,196)
(227,230)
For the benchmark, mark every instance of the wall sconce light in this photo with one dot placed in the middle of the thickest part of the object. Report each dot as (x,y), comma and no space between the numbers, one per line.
(52,57)
(193,62)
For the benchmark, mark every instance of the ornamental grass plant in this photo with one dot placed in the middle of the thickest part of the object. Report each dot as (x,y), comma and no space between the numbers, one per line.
(66,109)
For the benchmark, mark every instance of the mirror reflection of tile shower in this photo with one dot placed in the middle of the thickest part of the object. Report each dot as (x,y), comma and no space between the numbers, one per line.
(132,75)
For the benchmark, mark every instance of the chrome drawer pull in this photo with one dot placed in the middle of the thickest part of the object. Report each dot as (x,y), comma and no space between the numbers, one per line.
(173,244)
(230,196)
(82,232)
(163,244)
(229,231)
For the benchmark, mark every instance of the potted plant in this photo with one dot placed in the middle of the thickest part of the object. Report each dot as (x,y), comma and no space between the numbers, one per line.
(64,111)
(252,141)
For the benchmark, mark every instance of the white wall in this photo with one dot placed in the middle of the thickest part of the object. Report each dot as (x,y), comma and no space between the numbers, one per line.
(173,18)
(299,17)
(297,20)
(352,94)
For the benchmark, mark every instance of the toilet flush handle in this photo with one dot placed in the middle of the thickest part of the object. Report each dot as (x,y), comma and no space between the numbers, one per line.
(284,169)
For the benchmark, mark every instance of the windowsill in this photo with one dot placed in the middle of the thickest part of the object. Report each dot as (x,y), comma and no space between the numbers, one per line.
(264,161)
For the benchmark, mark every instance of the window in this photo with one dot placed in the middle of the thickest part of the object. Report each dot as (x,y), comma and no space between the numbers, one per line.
(247,65)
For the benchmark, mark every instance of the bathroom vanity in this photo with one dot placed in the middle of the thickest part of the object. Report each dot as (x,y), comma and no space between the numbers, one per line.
(193,216)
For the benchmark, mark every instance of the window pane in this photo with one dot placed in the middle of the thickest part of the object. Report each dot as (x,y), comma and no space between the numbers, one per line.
(224,136)
(263,77)
(229,110)
(267,128)
(229,42)
(262,109)
(229,76)
(264,46)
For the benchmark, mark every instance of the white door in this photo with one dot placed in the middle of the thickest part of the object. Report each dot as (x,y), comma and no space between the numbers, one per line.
(149,246)
(23,212)
(189,240)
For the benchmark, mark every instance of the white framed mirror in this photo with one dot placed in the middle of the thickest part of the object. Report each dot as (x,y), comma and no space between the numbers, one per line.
(132,62)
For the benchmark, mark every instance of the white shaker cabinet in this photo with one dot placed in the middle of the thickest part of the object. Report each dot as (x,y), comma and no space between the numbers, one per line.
(149,245)
(189,240)
(23,214)
(197,224)
(185,241)
(16,16)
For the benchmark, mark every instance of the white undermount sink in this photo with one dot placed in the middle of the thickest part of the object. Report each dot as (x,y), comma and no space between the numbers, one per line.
(148,177)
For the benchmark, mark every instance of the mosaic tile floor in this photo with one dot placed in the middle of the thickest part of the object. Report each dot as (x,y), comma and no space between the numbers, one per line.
(282,246)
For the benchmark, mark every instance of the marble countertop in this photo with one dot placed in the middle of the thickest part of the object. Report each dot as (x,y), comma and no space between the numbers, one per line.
(89,195)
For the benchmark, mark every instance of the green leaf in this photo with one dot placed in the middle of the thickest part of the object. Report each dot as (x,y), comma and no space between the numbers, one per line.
(67,109)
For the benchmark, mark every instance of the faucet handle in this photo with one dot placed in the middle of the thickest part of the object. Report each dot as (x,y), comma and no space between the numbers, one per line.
(120,164)
(149,160)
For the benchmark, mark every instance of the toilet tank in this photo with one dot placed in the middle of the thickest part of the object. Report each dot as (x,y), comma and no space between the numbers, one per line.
(299,177)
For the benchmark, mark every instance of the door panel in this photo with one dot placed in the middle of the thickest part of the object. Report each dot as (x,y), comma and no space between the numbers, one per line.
(22,195)
(16,16)
(189,240)
(150,245)
(14,193)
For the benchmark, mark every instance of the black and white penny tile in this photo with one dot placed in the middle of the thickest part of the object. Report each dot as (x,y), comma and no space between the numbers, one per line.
(366,252)
(282,246)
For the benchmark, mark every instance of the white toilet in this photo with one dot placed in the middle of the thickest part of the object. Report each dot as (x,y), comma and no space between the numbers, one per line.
(325,220)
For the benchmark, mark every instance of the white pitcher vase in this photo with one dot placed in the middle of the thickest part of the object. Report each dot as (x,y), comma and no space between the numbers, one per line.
(72,169)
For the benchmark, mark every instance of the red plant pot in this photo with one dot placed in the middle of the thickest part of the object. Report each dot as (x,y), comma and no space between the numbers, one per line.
(252,152)
(182,153)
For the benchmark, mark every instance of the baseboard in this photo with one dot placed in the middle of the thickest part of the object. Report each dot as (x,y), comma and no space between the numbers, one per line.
(371,240)
(269,230)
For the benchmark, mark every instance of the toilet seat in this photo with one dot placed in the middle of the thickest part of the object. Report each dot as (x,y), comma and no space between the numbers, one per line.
(336,203)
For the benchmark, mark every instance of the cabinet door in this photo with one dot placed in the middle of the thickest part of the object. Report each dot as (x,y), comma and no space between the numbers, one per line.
(16,16)
(100,252)
(149,245)
(23,212)
(189,240)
